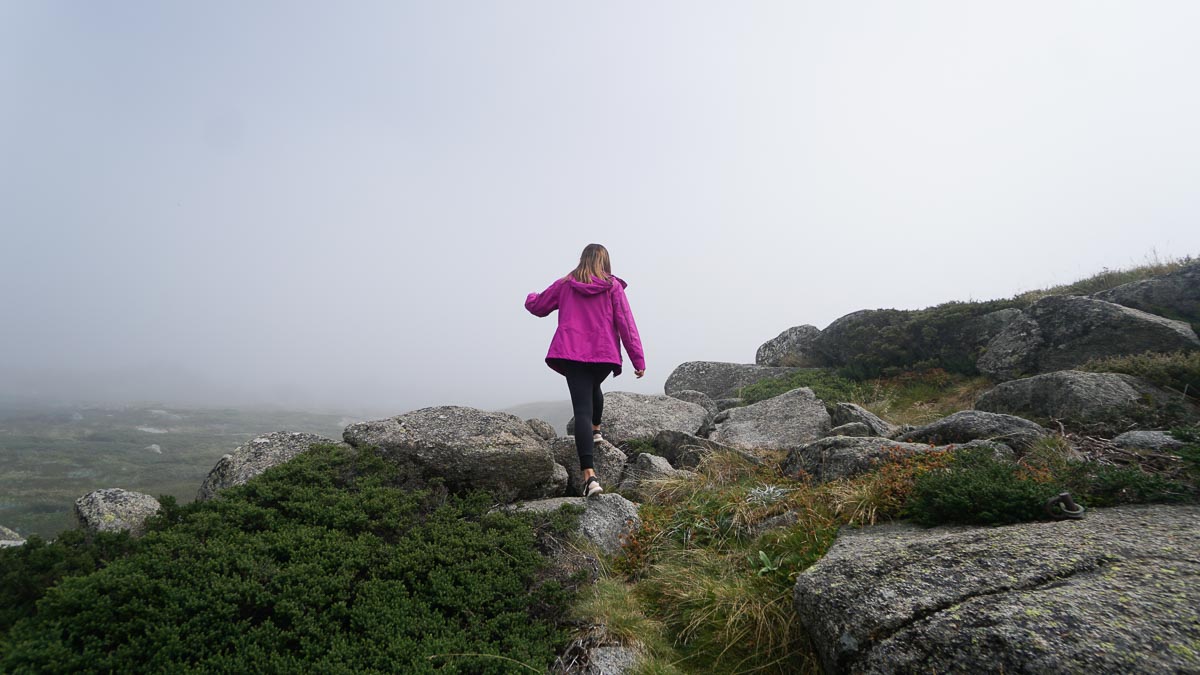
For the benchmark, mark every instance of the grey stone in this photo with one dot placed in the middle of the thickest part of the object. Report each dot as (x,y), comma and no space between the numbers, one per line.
(542,428)
(970,425)
(10,538)
(556,486)
(719,379)
(785,519)
(611,660)
(839,457)
(114,510)
(1060,332)
(851,429)
(699,398)
(1113,593)
(641,472)
(685,451)
(607,519)
(846,413)
(1176,294)
(1158,441)
(840,341)
(466,447)
(629,416)
(1094,400)
(792,347)
(727,403)
(255,457)
(784,422)
(607,460)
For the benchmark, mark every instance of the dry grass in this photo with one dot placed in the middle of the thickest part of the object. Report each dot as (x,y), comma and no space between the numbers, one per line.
(1152,266)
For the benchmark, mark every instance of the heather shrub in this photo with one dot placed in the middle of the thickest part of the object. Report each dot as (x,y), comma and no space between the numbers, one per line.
(1175,371)
(334,562)
(825,384)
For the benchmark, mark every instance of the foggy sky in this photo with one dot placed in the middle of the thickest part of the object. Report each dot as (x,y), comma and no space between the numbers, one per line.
(343,205)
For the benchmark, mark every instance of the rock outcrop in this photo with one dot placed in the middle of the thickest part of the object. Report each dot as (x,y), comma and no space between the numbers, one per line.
(10,538)
(114,510)
(839,457)
(608,461)
(699,398)
(792,347)
(606,521)
(780,423)
(629,416)
(1099,401)
(643,470)
(1158,441)
(466,447)
(685,451)
(849,413)
(255,457)
(1113,593)
(719,379)
(969,425)
(542,428)
(1062,332)
(1175,295)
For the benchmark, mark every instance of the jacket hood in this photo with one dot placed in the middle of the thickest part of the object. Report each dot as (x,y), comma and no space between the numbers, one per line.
(596,286)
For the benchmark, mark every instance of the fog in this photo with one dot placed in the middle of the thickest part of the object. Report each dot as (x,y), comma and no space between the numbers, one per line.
(342,206)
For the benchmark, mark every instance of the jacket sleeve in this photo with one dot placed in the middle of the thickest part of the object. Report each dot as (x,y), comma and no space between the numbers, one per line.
(541,304)
(627,329)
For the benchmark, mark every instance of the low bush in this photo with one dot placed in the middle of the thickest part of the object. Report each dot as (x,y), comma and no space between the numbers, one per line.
(334,562)
(826,385)
(977,488)
(1176,371)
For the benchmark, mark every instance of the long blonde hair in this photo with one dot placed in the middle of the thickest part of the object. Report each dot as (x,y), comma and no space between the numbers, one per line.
(593,264)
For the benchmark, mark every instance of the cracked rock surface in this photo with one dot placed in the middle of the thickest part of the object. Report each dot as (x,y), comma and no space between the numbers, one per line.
(1116,592)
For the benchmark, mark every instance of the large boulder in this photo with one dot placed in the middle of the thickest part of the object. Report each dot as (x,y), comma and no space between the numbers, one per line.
(779,423)
(699,398)
(1096,401)
(792,347)
(10,538)
(849,413)
(466,447)
(1061,332)
(718,379)
(114,510)
(685,451)
(542,428)
(607,461)
(1157,441)
(855,334)
(838,457)
(1175,295)
(629,416)
(1113,593)
(607,519)
(255,457)
(970,425)
(643,470)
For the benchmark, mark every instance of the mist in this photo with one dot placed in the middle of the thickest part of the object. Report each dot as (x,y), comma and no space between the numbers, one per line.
(342,207)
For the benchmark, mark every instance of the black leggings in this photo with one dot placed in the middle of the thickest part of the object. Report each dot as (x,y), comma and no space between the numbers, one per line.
(583,379)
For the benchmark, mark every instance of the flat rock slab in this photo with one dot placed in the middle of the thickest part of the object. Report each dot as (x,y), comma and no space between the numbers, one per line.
(783,422)
(719,379)
(468,448)
(255,457)
(1118,592)
(606,521)
(114,510)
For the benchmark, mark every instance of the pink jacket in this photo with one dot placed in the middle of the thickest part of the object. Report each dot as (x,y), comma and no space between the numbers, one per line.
(591,319)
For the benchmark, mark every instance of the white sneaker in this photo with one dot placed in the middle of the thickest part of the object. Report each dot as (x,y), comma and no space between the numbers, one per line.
(592,487)
(596,437)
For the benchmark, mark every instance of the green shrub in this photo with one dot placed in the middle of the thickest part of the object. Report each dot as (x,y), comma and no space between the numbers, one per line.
(825,384)
(1178,371)
(976,488)
(329,563)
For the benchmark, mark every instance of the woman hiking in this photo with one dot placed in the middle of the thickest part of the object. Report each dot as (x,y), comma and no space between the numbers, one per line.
(593,315)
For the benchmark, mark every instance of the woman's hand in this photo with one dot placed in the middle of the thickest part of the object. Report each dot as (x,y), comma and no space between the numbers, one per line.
(639,373)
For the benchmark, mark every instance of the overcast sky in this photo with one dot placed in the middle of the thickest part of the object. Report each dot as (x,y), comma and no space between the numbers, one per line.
(342,205)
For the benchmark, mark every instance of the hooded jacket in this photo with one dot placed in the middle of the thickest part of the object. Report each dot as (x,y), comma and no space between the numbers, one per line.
(594,319)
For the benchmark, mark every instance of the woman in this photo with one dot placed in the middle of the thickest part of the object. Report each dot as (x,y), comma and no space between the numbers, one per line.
(593,314)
